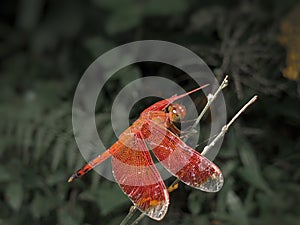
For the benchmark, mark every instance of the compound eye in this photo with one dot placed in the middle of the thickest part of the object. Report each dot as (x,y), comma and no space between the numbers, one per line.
(179,110)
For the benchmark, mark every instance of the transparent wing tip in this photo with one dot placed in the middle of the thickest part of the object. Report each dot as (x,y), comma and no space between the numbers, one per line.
(157,212)
(213,184)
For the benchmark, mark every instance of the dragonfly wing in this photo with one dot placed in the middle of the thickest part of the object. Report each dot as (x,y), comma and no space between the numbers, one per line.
(135,172)
(183,162)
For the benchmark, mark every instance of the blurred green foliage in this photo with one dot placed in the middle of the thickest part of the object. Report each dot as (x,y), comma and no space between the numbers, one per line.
(45,46)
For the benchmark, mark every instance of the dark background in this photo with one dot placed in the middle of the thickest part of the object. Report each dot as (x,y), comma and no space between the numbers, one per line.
(46,45)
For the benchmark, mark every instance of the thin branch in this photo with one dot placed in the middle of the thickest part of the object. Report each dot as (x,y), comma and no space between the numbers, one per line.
(129,215)
(210,99)
(139,219)
(226,127)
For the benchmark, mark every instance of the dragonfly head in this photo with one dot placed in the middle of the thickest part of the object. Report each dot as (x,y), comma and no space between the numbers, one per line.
(176,112)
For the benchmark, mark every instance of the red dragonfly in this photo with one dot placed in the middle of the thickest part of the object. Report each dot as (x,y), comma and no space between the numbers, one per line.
(134,169)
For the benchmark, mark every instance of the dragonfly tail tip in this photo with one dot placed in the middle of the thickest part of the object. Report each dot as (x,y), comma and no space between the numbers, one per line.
(70,179)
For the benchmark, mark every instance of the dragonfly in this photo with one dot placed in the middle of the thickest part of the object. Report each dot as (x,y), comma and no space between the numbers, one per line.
(134,169)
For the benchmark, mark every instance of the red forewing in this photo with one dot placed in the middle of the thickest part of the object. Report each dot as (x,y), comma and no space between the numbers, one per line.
(138,177)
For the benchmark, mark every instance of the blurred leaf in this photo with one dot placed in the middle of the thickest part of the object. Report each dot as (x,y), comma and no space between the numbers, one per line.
(231,147)
(273,174)
(110,199)
(113,4)
(204,17)
(195,202)
(128,75)
(251,171)
(124,19)
(29,133)
(72,152)
(237,212)
(70,215)
(107,134)
(64,20)
(54,178)
(98,45)
(42,205)
(196,219)
(20,131)
(29,13)
(166,7)
(4,174)
(58,152)
(53,91)
(39,142)
(14,195)
(229,168)
(250,201)
(222,196)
